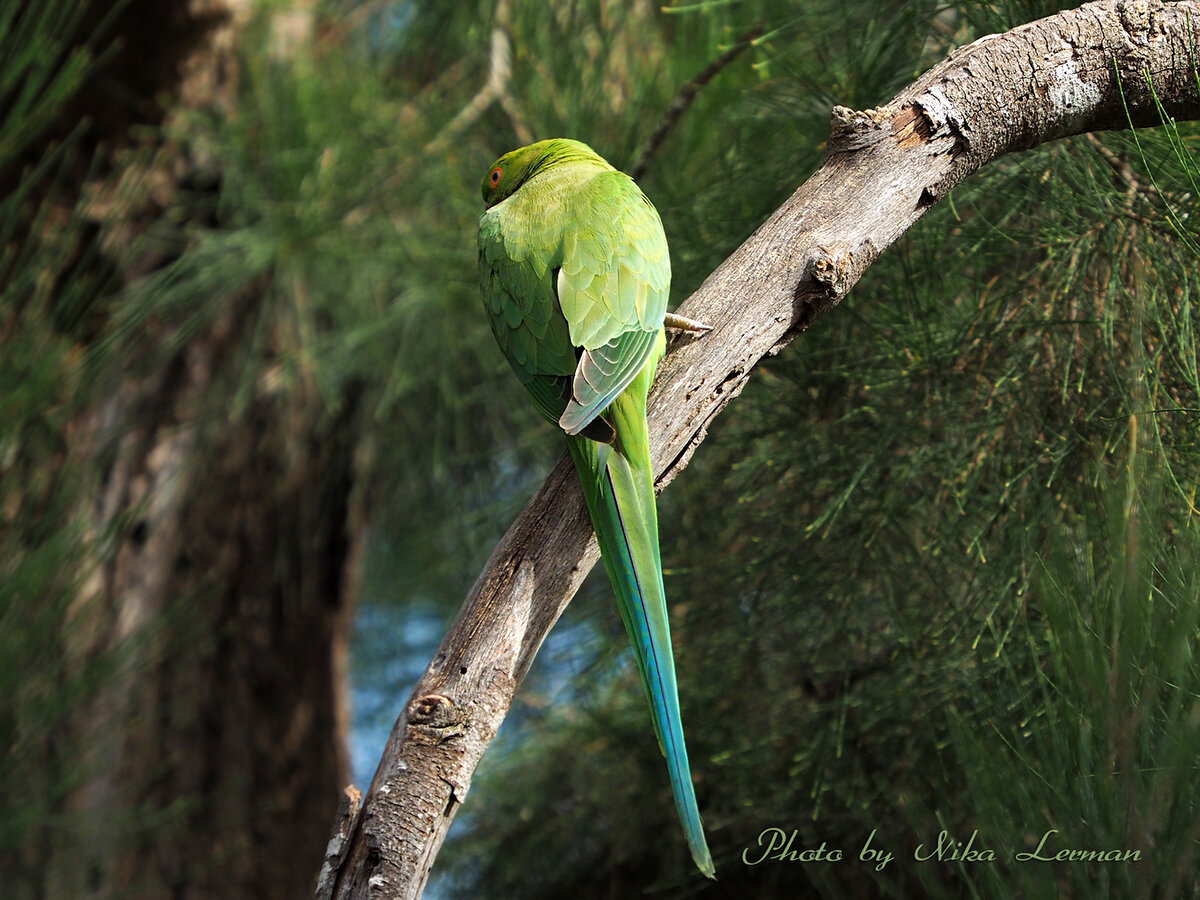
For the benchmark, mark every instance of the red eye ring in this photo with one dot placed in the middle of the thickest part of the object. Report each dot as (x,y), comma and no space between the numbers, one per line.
(494,178)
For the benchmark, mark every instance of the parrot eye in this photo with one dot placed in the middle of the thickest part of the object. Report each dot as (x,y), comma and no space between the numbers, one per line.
(494,178)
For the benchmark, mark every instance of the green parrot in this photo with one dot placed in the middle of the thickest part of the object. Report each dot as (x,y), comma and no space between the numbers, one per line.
(574,272)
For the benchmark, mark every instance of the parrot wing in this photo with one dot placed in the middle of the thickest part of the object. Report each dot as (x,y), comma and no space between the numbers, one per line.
(520,301)
(612,289)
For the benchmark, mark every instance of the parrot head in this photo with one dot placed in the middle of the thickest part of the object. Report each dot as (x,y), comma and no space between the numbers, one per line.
(516,167)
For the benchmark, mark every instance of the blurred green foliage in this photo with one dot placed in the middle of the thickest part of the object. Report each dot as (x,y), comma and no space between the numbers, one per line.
(44,274)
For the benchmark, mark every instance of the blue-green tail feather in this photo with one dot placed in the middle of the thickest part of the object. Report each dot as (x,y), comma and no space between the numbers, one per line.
(619,490)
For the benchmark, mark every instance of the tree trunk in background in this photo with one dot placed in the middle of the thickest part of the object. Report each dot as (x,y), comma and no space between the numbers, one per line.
(216,754)
(229,579)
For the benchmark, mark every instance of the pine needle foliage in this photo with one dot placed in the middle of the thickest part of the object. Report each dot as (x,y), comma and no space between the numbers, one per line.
(47,273)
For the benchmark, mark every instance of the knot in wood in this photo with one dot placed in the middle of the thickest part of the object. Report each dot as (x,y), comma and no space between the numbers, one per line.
(433,711)
(829,270)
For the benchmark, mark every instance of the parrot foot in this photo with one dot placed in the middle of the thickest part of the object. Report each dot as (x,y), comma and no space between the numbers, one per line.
(681,323)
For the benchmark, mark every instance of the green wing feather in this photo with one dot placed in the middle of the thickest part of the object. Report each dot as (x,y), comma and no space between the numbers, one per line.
(612,289)
(519,299)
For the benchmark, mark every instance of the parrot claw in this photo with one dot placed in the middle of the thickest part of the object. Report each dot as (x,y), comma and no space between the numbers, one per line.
(682,323)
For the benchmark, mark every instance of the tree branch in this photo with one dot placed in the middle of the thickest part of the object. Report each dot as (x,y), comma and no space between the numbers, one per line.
(885,168)
(494,89)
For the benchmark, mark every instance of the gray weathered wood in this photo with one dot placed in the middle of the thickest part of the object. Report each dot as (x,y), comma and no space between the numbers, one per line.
(885,167)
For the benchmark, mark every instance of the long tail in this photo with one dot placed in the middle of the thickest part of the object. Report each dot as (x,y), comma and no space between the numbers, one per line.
(618,485)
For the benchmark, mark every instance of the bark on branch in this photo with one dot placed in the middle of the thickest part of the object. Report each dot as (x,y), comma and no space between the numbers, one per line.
(1084,70)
